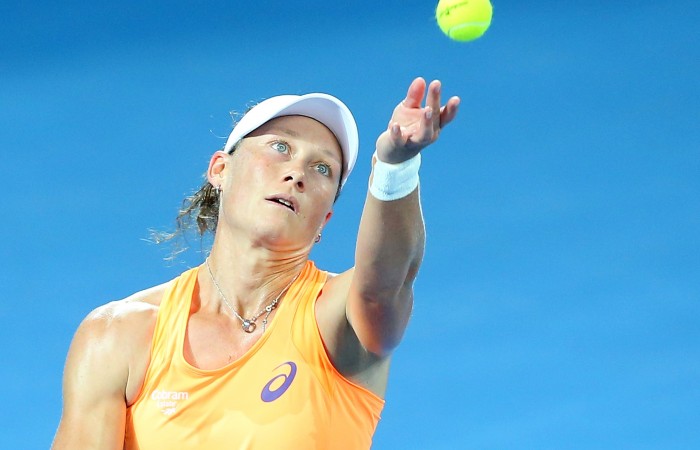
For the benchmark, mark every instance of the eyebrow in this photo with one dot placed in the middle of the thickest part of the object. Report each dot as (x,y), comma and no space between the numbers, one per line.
(286,131)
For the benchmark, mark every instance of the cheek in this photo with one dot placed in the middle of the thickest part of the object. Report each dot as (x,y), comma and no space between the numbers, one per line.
(323,202)
(248,171)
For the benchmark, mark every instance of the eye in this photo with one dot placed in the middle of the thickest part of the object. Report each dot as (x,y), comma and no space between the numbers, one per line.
(324,169)
(281,146)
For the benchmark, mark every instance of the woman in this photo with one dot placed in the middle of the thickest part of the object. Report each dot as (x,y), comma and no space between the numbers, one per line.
(256,348)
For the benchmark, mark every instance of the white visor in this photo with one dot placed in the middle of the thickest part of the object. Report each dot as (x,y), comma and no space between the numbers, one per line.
(324,108)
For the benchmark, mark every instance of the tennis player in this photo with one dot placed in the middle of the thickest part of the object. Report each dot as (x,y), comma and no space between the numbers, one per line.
(257,348)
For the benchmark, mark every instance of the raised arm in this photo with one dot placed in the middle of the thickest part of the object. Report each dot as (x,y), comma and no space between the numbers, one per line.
(391,238)
(94,384)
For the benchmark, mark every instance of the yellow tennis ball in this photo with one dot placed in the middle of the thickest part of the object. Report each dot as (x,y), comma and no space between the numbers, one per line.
(464,20)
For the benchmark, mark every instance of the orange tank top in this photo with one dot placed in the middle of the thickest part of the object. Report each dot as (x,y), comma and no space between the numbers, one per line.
(284,393)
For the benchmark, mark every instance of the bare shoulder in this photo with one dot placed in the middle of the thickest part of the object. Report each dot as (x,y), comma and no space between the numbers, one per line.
(122,320)
(104,371)
(120,332)
(333,297)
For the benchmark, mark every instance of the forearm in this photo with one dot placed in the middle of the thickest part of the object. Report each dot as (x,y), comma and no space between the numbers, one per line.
(390,246)
(389,250)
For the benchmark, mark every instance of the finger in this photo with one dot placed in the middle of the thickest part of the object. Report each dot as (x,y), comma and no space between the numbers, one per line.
(396,135)
(429,126)
(395,130)
(415,93)
(449,111)
(433,100)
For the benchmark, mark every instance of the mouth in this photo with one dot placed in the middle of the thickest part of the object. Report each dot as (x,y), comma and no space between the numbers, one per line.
(287,202)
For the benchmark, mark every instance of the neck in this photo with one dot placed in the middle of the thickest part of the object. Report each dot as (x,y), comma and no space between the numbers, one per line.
(250,277)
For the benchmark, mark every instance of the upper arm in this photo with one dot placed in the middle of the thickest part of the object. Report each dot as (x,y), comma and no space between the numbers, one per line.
(345,349)
(94,385)
(379,321)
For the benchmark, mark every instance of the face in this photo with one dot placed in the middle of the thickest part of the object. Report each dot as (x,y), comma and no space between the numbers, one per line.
(281,181)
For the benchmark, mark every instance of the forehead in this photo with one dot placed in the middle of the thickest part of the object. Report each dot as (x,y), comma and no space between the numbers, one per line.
(304,129)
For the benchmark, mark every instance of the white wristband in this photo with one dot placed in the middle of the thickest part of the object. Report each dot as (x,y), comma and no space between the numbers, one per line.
(394,181)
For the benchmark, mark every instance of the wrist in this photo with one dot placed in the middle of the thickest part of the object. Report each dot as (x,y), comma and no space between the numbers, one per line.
(394,181)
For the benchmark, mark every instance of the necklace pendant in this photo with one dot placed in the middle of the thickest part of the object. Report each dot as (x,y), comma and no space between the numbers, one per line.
(248,326)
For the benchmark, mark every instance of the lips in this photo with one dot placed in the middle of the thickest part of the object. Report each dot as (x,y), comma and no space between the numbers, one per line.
(284,200)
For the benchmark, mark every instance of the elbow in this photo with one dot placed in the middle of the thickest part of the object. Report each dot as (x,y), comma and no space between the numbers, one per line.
(380,348)
(380,326)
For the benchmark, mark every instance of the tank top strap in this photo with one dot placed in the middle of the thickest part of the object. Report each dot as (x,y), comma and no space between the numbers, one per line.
(304,330)
(309,285)
(171,323)
(305,288)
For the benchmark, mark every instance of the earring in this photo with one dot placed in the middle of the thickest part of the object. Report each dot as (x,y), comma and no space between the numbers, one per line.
(218,189)
(318,238)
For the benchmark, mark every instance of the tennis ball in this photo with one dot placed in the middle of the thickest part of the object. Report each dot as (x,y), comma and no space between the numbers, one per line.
(464,20)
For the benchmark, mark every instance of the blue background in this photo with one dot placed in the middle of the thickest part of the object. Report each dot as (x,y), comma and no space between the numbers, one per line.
(557,306)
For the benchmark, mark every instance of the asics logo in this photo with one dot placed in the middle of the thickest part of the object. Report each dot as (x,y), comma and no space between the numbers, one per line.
(273,389)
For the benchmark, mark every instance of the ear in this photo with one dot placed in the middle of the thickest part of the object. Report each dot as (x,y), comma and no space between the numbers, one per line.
(217,165)
(328,217)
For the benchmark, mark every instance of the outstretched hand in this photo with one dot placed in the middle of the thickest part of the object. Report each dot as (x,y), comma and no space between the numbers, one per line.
(412,127)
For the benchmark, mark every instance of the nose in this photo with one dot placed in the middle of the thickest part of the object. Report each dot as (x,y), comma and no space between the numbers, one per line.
(295,176)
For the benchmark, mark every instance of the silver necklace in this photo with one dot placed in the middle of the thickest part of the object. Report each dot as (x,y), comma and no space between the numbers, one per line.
(249,325)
